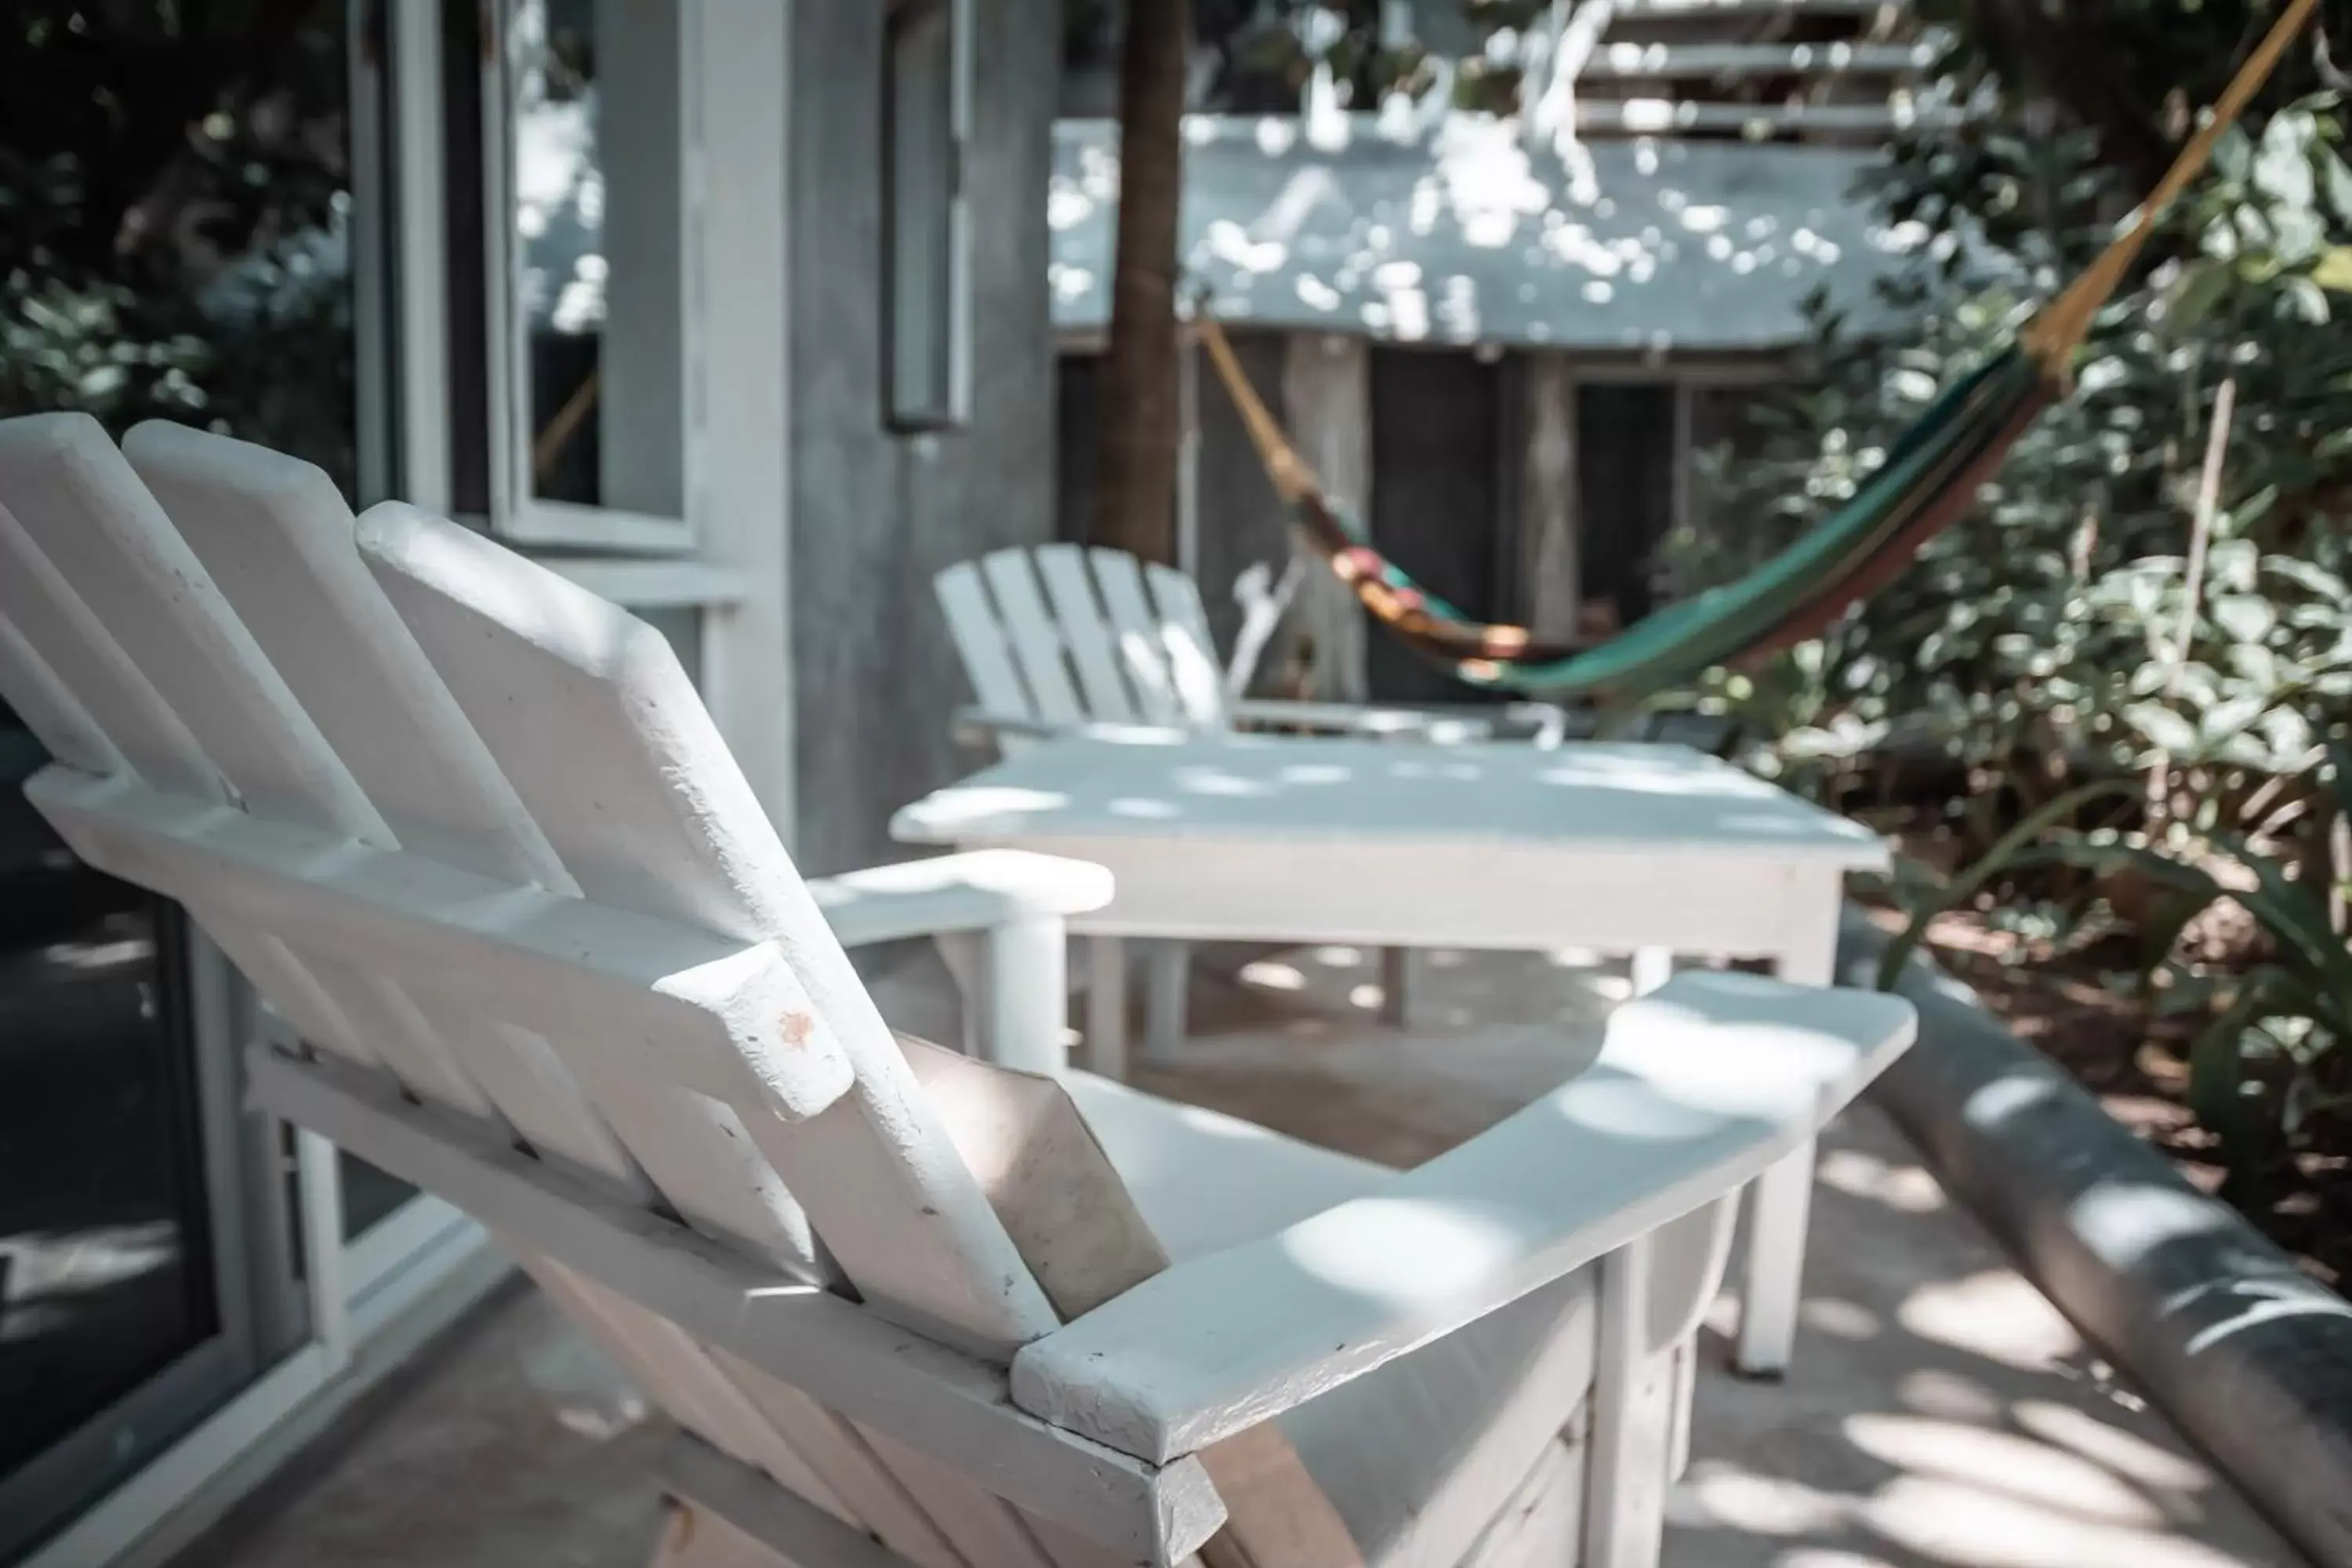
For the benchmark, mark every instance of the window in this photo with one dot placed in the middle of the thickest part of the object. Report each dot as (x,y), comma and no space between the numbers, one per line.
(927,329)
(587,134)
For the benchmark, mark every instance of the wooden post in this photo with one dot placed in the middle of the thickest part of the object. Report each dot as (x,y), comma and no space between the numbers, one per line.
(1327,395)
(1551,563)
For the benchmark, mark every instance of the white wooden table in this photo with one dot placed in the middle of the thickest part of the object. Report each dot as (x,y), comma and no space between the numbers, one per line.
(1651,850)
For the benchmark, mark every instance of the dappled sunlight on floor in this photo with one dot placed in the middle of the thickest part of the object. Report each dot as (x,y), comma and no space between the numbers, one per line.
(1940,1413)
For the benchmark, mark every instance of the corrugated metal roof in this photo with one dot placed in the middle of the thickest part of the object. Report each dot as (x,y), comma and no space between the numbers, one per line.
(1459,232)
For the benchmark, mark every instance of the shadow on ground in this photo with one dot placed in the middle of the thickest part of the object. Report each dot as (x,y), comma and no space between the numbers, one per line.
(1940,1414)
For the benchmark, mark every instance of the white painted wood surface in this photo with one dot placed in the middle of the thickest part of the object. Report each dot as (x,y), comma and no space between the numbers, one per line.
(1397,843)
(471,826)
(1649,800)
(562,687)
(1699,1088)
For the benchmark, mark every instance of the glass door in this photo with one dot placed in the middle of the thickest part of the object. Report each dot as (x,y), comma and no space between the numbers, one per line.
(124,1308)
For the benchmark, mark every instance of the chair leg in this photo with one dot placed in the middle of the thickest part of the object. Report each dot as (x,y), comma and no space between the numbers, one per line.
(1395,975)
(1025,995)
(1678,1444)
(1106,1006)
(1773,1284)
(1168,970)
(1633,1420)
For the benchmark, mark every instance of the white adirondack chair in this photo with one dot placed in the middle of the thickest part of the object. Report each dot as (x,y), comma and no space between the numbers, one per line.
(471,830)
(1057,637)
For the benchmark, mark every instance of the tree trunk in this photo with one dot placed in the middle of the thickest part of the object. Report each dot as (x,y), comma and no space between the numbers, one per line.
(1136,420)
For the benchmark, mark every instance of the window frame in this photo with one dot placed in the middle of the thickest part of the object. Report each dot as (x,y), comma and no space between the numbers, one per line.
(952,410)
(515,515)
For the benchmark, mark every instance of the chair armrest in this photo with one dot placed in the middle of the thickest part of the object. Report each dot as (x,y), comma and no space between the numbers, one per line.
(1700,1087)
(977,726)
(945,893)
(1357,718)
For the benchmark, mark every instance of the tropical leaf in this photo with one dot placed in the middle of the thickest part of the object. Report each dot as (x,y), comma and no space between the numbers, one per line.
(2217,1068)
(2016,848)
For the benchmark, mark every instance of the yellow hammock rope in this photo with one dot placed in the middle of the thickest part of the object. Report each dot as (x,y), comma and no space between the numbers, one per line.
(2049,342)
(2054,335)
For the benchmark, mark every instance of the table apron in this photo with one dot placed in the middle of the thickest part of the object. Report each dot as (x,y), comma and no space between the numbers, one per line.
(1456,895)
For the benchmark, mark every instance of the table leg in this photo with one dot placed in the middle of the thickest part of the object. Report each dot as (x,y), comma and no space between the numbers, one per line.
(1395,970)
(1168,970)
(1106,1006)
(1780,1203)
(1652,967)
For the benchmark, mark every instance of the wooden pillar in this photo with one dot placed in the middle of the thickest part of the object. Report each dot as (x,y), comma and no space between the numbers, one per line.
(1549,520)
(1327,396)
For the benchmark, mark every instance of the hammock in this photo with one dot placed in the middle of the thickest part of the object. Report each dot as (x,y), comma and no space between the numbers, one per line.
(1929,478)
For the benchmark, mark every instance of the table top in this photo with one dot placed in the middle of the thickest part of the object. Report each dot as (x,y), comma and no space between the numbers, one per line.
(1596,796)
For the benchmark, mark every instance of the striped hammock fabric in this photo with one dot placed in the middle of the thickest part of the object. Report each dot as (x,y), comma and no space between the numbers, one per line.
(1929,478)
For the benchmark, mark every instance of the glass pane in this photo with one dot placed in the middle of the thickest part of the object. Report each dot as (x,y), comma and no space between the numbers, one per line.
(921,213)
(369,1195)
(105,1259)
(595,188)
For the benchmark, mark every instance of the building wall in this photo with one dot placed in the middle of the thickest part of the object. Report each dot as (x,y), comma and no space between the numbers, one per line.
(875,515)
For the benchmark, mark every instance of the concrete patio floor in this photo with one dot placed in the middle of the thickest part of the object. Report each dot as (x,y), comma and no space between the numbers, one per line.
(1940,1414)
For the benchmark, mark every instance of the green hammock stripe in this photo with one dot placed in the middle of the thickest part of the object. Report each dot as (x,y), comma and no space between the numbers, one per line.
(1969,423)
(1872,535)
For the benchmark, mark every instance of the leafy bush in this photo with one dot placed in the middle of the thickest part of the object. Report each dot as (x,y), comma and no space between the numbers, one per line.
(171,203)
(2045,680)
(2036,637)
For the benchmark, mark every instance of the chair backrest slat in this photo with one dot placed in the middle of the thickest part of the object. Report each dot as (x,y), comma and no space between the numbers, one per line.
(1093,652)
(1184,636)
(1136,638)
(59,630)
(277,540)
(57,717)
(86,513)
(1143,652)
(980,640)
(281,544)
(63,642)
(1036,641)
(81,504)
(589,715)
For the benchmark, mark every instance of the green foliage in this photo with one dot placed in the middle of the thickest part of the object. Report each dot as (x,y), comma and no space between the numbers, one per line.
(2045,652)
(2273,1054)
(171,181)
(2036,637)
